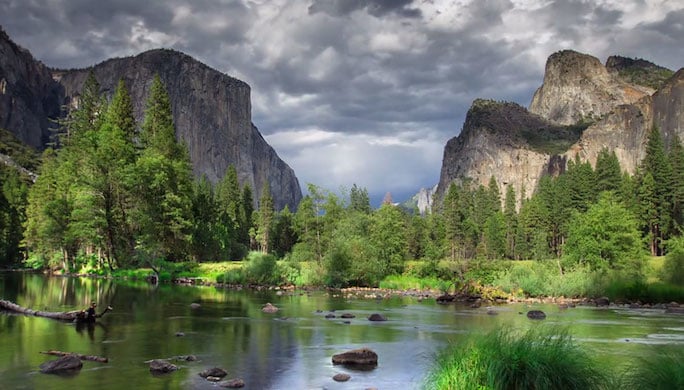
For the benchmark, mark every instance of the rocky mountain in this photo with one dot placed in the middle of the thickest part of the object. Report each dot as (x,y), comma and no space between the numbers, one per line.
(422,201)
(211,110)
(581,108)
(577,87)
(29,98)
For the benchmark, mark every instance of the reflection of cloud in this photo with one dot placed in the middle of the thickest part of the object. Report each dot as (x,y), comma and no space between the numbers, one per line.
(387,82)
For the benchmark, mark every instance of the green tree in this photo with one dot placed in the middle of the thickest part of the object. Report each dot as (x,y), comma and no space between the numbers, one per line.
(229,205)
(656,164)
(676,158)
(608,173)
(205,244)
(388,236)
(265,220)
(164,183)
(359,199)
(606,236)
(510,221)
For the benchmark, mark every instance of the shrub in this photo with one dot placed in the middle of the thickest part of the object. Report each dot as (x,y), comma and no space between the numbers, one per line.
(541,358)
(673,267)
(262,269)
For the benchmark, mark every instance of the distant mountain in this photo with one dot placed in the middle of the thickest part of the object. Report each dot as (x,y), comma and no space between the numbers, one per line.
(212,111)
(581,108)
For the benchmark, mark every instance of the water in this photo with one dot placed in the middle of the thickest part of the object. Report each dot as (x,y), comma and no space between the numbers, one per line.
(291,349)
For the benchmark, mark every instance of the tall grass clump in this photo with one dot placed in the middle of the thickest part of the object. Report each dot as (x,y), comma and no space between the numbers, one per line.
(657,370)
(504,359)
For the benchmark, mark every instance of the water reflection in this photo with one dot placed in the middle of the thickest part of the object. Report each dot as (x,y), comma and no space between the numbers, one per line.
(288,349)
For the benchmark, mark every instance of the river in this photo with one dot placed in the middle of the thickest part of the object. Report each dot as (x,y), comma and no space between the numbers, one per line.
(291,349)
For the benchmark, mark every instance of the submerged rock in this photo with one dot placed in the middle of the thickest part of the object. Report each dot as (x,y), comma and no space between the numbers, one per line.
(162,367)
(63,365)
(213,372)
(235,383)
(341,377)
(269,308)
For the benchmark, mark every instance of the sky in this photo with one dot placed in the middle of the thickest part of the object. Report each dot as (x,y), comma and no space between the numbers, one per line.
(363,92)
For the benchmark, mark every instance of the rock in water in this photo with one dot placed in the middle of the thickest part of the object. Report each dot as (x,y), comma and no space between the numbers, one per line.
(362,358)
(536,315)
(377,317)
(341,377)
(215,372)
(269,308)
(233,383)
(162,367)
(65,364)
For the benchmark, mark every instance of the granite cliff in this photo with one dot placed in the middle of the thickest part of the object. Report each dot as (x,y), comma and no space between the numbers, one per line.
(29,98)
(212,111)
(581,108)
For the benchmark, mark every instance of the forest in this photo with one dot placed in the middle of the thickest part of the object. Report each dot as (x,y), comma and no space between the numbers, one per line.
(112,194)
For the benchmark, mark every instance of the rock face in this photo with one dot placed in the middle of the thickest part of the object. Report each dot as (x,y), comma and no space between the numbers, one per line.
(211,111)
(578,87)
(518,147)
(29,97)
(504,141)
(625,130)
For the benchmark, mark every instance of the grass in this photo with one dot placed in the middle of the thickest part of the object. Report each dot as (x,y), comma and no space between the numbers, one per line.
(409,282)
(541,358)
(657,370)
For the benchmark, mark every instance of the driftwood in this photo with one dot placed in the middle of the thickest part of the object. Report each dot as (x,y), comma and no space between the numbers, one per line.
(76,315)
(90,358)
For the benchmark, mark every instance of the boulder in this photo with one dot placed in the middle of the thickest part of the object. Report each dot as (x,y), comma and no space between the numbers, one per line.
(675,310)
(377,317)
(341,377)
(215,372)
(180,334)
(536,315)
(195,305)
(603,301)
(330,315)
(348,315)
(362,357)
(162,367)
(235,383)
(269,308)
(65,364)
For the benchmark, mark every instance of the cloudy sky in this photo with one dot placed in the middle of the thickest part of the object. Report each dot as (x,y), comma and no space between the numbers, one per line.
(357,91)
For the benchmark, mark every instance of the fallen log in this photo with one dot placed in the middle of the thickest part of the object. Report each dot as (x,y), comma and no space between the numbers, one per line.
(90,358)
(76,315)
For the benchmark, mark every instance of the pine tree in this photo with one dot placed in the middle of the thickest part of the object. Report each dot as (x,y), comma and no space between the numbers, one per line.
(266,219)
(608,173)
(120,111)
(359,199)
(656,165)
(676,158)
(511,221)
(164,182)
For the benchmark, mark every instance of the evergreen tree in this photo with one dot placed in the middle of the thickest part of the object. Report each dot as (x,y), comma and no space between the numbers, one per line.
(510,221)
(359,200)
(266,219)
(676,158)
(657,165)
(229,205)
(164,183)
(284,235)
(608,173)
(387,236)
(245,218)
(120,112)
(205,242)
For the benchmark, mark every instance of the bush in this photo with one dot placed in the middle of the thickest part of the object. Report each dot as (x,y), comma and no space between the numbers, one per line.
(673,267)
(541,358)
(337,264)
(262,269)
(543,278)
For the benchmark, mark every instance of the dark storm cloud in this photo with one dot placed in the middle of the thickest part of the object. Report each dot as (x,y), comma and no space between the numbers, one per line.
(364,91)
(376,8)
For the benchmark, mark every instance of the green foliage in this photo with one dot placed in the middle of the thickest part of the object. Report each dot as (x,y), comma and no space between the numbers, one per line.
(542,358)
(673,268)
(19,152)
(606,237)
(543,278)
(262,269)
(656,370)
